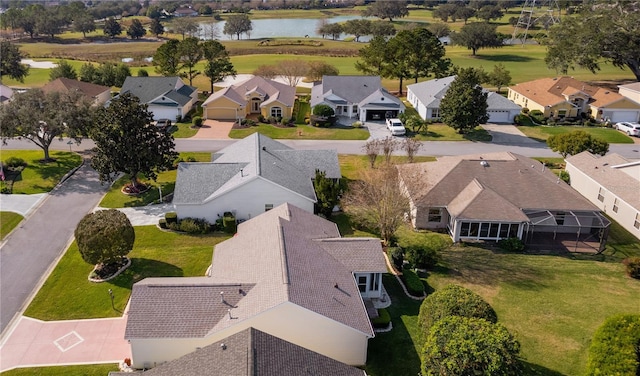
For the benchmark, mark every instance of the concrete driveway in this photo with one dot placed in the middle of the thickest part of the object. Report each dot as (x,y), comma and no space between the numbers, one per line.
(509,135)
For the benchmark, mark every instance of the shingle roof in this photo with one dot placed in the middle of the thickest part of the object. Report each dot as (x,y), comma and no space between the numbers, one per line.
(501,183)
(254,156)
(609,172)
(65,85)
(635,86)
(355,253)
(150,88)
(252,352)
(496,101)
(351,89)
(271,90)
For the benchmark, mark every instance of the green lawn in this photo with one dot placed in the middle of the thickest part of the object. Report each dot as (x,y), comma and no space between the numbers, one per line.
(8,221)
(40,177)
(351,165)
(83,370)
(183,130)
(166,181)
(303,132)
(442,132)
(67,294)
(610,135)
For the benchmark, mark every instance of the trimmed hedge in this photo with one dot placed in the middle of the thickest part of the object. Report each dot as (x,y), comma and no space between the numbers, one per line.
(171,217)
(453,300)
(383,319)
(511,244)
(614,348)
(229,223)
(412,282)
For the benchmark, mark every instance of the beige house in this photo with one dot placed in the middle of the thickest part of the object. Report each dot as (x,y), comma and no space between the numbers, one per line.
(501,195)
(287,273)
(97,94)
(612,183)
(256,95)
(631,91)
(567,97)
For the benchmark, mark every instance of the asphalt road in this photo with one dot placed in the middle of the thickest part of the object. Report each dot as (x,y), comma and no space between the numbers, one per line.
(27,254)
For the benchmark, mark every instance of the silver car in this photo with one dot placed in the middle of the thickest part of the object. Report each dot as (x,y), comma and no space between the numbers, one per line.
(629,127)
(396,127)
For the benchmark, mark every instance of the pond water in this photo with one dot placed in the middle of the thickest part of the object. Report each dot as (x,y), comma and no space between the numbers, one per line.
(281,27)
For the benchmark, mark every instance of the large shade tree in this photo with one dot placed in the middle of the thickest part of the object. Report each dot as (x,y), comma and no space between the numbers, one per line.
(190,53)
(41,118)
(127,142)
(603,31)
(104,236)
(218,65)
(387,9)
(237,25)
(576,142)
(477,35)
(166,59)
(10,62)
(464,106)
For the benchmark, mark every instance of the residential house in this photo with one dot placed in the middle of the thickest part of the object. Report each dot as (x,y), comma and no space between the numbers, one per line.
(256,95)
(249,177)
(185,12)
(426,96)
(501,195)
(631,91)
(287,273)
(360,97)
(167,97)
(610,182)
(6,94)
(567,97)
(96,94)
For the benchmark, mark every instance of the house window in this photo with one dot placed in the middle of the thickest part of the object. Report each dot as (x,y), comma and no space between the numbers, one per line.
(374,282)
(615,205)
(464,229)
(504,230)
(484,230)
(276,112)
(493,230)
(601,195)
(435,113)
(562,113)
(354,110)
(435,215)
(268,207)
(636,223)
(513,231)
(362,283)
(473,229)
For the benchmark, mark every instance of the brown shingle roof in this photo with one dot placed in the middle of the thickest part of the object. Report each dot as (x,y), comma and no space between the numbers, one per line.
(65,85)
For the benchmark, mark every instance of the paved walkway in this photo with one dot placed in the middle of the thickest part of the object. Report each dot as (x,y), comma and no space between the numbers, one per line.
(33,343)
(214,129)
(21,204)
(145,215)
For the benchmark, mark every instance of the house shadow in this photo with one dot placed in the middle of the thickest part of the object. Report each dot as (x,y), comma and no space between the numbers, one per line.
(142,268)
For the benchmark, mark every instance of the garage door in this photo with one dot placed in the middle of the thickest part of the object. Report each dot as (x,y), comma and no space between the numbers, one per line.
(163,113)
(499,117)
(221,113)
(618,116)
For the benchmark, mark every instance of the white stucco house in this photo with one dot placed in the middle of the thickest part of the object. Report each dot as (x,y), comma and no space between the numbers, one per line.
(249,177)
(167,97)
(631,91)
(610,182)
(287,273)
(426,96)
(359,97)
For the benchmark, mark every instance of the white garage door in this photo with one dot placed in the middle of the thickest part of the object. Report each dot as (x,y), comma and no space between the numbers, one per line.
(499,117)
(618,116)
(164,113)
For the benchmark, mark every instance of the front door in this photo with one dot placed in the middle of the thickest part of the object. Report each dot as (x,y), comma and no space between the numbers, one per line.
(255,106)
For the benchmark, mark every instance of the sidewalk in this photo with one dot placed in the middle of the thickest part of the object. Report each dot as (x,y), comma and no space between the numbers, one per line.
(21,204)
(144,215)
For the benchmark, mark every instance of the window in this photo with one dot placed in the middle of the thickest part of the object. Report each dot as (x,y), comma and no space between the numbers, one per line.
(615,205)
(601,195)
(493,230)
(636,223)
(513,231)
(276,111)
(362,283)
(484,230)
(473,230)
(435,215)
(504,230)
(268,207)
(562,113)
(374,281)
(464,229)
(435,113)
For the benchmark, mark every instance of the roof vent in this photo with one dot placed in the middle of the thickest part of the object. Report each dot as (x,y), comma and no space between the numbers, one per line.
(264,148)
(223,346)
(606,92)
(221,296)
(484,163)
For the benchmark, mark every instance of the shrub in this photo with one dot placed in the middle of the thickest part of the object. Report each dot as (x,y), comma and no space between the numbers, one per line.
(104,236)
(250,123)
(196,121)
(191,159)
(422,252)
(614,348)
(511,244)
(412,282)
(194,226)
(396,256)
(229,223)
(383,319)
(453,300)
(565,177)
(323,110)
(14,162)
(261,118)
(162,223)
(171,217)
(421,258)
(356,124)
(525,110)
(632,267)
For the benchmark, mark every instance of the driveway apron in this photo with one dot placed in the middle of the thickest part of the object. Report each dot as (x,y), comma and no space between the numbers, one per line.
(27,254)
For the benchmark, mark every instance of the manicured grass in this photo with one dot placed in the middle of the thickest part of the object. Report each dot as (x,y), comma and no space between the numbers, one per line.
(82,370)
(303,132)
(8,221)
(442,132)
(166,181)
(610,135)
(40,177)
(351,165)
(183,130)
(67,294)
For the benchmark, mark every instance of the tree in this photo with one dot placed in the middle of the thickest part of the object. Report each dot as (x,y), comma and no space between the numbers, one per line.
(439,29)
(63,69)
(237,24)
(319,68)
(292,71)
(136,30)
(10,62)
(84,23)
(603,31)
(112,27)
(499,77)
(190,53)
(614,347)
(89,73)
(464,106)
(453,300)
(387,9)
(218,65)
(411,147)
(40,117)
(490,12)
(327,192)
(423,54)
(372,150)
(127,142)
(470,346)
(154,12)
(382,29)
(464,13)
(375,201)
(333,29)
(477,35)
(166,58)
(104,236)
(444,11)
(576,142)
(267,71)
(185,26)
(357,28)
(156,28)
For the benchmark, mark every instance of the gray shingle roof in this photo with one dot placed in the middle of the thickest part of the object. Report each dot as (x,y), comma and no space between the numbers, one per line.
(431,92)
(355,253)
(252,352)
(351,89)
(150,88)
(256,155)
(496,101)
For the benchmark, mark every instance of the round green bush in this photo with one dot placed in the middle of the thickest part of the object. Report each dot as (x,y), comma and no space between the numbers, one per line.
(196,121)
(453,300)
(104,236)
(383,319)
(614,348)
(323,110)
(171,217)
(632,267)
(511,244)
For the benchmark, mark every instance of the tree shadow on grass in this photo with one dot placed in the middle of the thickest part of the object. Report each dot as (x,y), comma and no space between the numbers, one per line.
(142,268)
(505,58)
(530,369)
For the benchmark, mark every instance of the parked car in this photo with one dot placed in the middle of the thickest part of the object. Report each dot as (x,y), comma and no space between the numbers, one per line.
(163,125)
(630,128)
(396,127)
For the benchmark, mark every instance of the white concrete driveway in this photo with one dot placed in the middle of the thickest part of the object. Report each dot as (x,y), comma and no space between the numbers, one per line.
(508,135)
